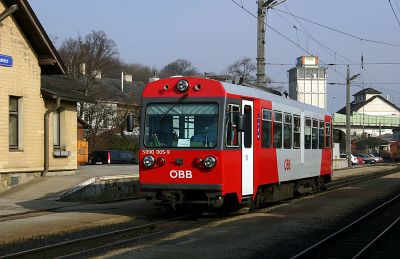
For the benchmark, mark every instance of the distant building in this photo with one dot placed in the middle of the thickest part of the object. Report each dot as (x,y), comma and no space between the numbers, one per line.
(307,82)
(371,108)
(370,101)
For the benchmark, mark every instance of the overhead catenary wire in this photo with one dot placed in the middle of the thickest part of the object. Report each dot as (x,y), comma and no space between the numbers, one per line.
(285,37)
(394,12)
(398,8)
(339,64)
(335,53)
(339,31)
(306,51)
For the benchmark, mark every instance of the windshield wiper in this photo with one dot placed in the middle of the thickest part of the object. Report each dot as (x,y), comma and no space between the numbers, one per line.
(164,116)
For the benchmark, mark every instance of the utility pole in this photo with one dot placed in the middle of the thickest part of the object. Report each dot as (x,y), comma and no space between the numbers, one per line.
(262,7)
(261,79)
(348,126)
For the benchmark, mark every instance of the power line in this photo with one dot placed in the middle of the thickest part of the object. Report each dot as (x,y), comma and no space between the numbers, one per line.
(306,51)
(395,15)
(398,8)
(340,64)
(335,52)
(283,36)
(338,31)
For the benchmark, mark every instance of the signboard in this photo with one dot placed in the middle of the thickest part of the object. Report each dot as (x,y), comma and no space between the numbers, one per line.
(6,61)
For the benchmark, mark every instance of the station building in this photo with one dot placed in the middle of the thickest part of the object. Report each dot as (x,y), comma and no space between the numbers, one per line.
(31,110)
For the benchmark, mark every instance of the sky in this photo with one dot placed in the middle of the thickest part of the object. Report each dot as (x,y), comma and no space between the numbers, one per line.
(212,34)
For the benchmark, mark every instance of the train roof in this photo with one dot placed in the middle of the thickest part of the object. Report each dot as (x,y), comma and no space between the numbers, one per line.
(259,93)
(219,88)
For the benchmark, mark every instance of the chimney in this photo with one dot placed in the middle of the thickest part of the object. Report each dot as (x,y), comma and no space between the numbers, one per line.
(82,69)
(128,78)
(154,78)
(97,74)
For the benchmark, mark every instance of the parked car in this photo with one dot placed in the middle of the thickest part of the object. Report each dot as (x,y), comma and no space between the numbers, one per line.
(111,157)
(376,158)
(366,158)
(354,160)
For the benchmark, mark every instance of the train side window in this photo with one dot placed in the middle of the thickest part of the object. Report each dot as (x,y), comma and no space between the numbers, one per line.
(266,128)
(248,127)
(232,135)
(307,134)
(327,135)
(321,135)
(287,131)
(314,132)
(277,129)
(296,131)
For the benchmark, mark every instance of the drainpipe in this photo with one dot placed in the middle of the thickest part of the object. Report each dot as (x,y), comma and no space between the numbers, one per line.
(46,135)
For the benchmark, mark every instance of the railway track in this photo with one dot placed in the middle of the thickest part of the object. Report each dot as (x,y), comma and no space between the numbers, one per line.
(361,178)
(355,239)
(80,246)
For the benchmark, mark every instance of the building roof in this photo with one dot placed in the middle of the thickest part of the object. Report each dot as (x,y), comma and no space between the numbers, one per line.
(108,89)
(48,57)
(67,88)
(355,106)
(367,91)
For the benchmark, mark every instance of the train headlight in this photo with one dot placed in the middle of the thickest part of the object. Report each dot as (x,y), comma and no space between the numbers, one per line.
(210,162)
(148,161)
(182,86)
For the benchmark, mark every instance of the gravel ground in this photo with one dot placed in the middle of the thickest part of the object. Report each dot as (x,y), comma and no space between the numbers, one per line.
(278,232)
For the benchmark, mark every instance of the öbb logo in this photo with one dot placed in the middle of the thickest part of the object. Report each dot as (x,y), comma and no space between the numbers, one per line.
(181,174)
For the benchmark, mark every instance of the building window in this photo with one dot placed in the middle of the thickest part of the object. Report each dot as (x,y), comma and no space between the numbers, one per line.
(266,128)
(287,131)
(232,135)
(56,129)
(307,134)
(314,134)
(13,122)
(277,129)
(296,131)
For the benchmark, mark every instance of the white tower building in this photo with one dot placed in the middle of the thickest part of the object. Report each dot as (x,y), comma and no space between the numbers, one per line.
(307,82)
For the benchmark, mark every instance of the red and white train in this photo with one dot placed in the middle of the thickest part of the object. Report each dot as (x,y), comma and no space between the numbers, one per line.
(214,143)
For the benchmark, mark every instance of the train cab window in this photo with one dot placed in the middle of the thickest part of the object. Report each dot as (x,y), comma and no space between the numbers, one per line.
(321,135)
(266,128)
(327,135)
(287,131)
(296,131)
(232,135)
(314,138)
(277,129)
(307,134)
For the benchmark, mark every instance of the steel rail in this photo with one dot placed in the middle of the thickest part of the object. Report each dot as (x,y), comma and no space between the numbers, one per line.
(361,178)
(114,244)
(377,238)
(330,237)
(89,238)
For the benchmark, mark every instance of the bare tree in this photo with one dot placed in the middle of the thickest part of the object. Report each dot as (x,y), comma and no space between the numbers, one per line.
(95,50)
(178,67)
(244,68)
(99,54)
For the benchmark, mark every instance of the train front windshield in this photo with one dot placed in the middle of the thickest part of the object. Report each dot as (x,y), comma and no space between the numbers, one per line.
(181,125)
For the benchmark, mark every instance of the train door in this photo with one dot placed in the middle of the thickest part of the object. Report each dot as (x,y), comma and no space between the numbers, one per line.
(247,148)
